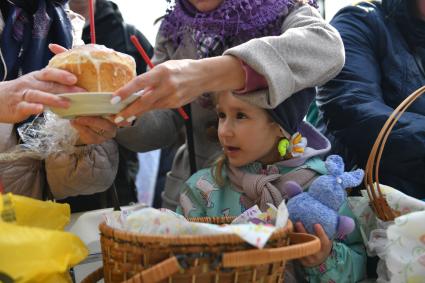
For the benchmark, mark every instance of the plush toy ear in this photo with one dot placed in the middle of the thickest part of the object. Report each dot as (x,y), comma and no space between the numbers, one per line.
(292,188)
(352,179)
(335,165)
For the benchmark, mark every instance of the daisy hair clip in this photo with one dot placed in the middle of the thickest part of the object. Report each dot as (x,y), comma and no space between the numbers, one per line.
(293,148)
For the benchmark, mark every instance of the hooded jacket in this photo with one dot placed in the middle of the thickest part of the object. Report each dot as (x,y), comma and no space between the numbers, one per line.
(385,52)
(113,32)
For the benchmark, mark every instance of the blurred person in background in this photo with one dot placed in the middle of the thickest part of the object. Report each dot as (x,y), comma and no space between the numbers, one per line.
(26,30)
(385,59)
(113,32)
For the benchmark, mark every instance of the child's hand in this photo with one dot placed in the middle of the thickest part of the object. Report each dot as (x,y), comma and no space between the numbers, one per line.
(325,250)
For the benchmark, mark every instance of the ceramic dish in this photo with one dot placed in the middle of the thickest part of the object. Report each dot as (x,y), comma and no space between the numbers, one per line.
(91,104)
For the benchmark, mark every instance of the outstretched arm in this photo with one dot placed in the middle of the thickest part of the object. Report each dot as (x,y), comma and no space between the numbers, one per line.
(308,53)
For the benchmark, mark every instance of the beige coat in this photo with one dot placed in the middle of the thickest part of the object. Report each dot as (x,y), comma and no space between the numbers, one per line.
(89,170)
(308,53)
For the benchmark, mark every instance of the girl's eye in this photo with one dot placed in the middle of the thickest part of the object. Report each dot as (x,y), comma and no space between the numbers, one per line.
(241,115)
(221,115)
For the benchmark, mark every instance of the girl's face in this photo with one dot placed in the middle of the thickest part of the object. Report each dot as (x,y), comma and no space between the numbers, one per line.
(205,5)
(246,132)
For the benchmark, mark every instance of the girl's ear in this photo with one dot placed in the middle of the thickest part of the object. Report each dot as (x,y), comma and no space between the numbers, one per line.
(283,133)
(277,130)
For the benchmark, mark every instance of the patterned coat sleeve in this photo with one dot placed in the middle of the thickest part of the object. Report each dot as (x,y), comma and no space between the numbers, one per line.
(191,200)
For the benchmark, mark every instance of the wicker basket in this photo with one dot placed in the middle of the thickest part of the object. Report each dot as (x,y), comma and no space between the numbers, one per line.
(132,257)
(378,201)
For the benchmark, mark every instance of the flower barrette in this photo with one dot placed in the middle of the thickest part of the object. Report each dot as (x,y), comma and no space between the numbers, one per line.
(297,145)
(293,148)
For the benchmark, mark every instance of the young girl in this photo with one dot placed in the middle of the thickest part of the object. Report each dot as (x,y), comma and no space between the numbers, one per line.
(263,149)
(265,49)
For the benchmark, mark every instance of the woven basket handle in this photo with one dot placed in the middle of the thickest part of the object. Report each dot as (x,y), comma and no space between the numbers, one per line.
(154,274)
(158,272)
(94,277)
(301,245)
(379,203)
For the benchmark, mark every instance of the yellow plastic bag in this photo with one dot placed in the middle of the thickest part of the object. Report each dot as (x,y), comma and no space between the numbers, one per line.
(26,211)
(32,249)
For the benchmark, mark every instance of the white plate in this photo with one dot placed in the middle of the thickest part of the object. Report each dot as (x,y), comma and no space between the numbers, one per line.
(91,104)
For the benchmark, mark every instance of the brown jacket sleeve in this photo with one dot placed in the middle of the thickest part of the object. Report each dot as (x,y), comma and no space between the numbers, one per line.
(91,169)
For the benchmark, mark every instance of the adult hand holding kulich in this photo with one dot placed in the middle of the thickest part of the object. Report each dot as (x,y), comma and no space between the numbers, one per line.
(98,69)
(94,130)
(175,83)
(29,94)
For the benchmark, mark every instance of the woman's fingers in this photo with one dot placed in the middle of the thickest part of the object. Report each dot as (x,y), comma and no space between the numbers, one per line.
(55,81)
(56,88)
(94,130)
(25,109)
(150,100)
(87,135)
(169,85)
(56,48)
(99,126)
(97,122)
(141,105)
(40,97)
(137,85)
(29,94)
(154,85)
(55,75)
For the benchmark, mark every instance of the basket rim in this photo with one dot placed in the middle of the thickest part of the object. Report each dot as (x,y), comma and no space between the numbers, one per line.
(126,236)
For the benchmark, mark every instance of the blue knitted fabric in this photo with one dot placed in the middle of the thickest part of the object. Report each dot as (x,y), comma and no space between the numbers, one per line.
(320,205)
(305,209)
(330,189)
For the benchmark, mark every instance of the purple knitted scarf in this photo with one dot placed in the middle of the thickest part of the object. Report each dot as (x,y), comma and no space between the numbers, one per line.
(230,24)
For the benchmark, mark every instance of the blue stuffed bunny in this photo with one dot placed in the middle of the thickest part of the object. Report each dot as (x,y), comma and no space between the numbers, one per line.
(325,196)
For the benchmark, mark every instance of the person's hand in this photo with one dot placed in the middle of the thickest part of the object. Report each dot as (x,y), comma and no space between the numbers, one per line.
(30,93)
(94,130)
(325,243)
(175,83)
(56,48)
(169,85)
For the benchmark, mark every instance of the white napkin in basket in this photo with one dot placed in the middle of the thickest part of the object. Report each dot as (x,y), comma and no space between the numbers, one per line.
(166,222)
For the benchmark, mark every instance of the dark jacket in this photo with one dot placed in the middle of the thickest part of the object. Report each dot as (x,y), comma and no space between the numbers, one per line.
(113,32)
(384,48)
